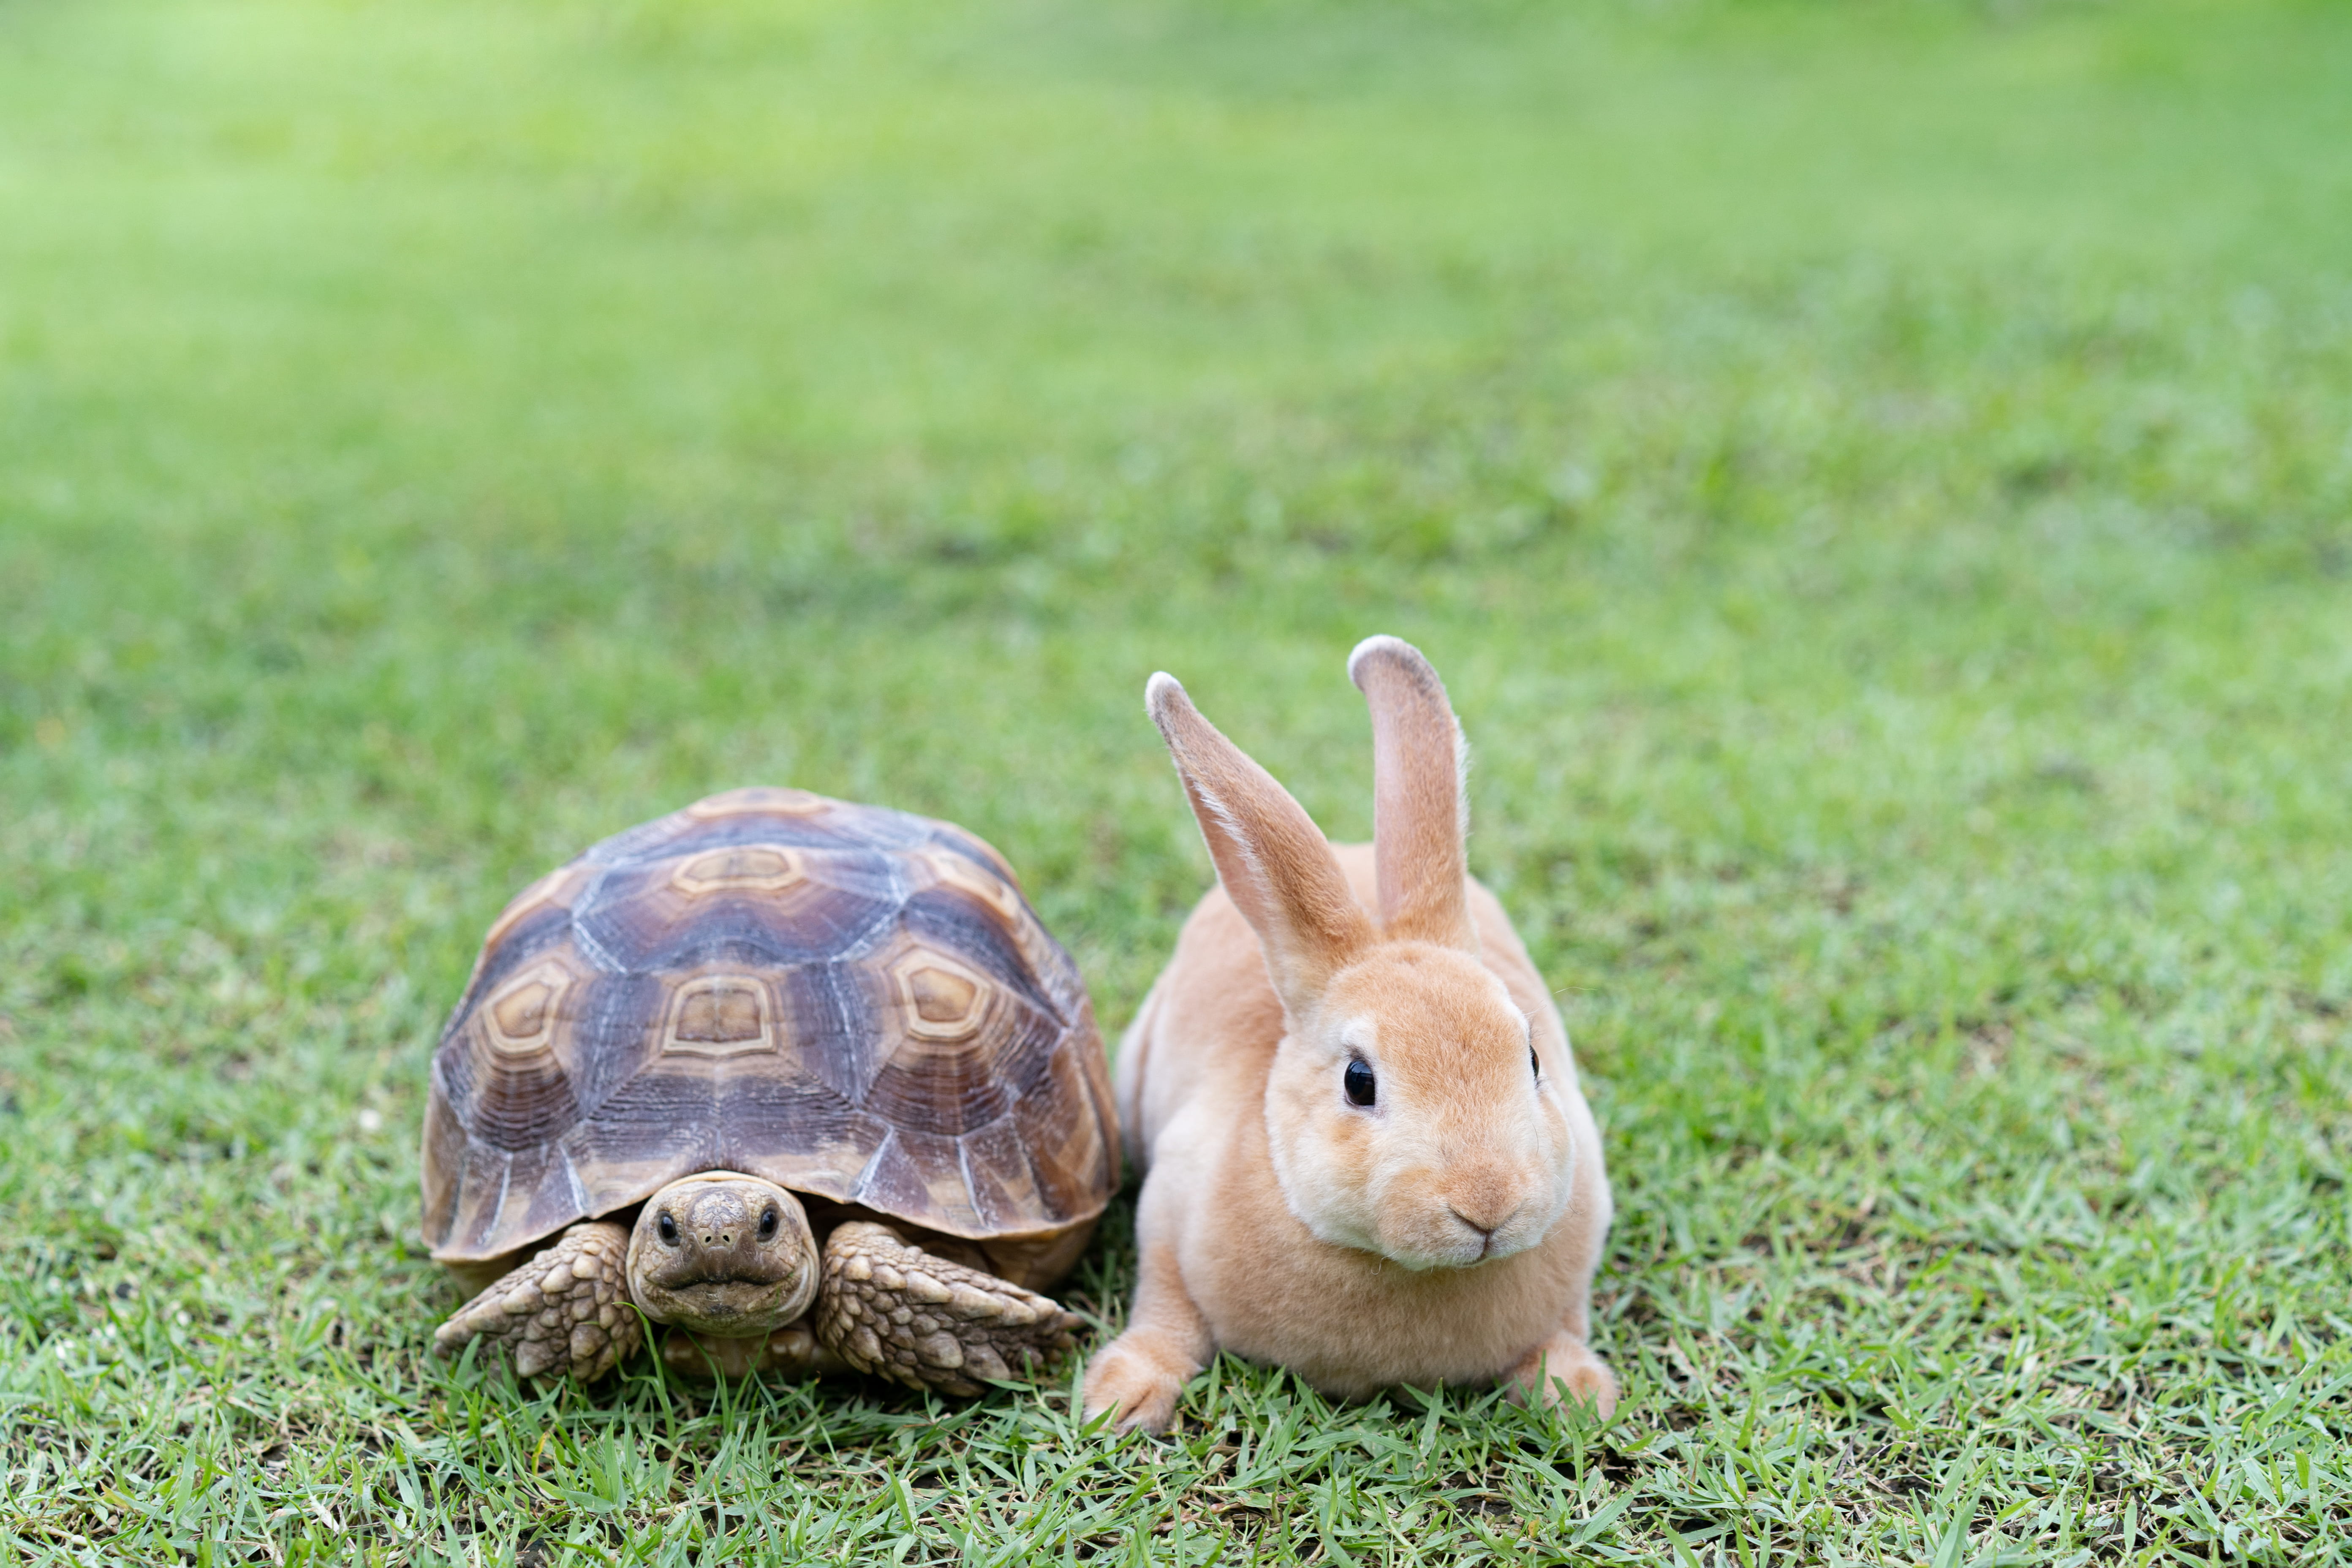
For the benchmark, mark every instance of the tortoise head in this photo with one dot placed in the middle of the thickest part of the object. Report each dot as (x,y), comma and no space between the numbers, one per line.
(723,1253)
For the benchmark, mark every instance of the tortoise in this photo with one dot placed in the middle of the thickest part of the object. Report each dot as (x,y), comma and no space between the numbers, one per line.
(804,1080)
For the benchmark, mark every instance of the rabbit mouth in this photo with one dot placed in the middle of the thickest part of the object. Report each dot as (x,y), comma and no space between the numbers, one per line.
(1463,1230)
(1484,1234)
(1488,1248)
(1450,1242)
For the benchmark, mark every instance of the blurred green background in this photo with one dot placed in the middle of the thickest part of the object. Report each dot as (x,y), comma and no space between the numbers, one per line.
(1875,474)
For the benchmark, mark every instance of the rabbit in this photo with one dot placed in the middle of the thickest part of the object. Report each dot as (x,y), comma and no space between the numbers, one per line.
(1366,1157)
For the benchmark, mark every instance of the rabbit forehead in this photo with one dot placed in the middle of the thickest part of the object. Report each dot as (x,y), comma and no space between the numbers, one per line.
(1414,1005)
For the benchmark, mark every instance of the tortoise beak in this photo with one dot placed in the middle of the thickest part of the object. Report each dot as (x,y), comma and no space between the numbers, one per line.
(723,1254)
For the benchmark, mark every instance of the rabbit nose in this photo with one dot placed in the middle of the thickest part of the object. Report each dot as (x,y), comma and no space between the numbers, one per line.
(1486,1221)
(1483,1197)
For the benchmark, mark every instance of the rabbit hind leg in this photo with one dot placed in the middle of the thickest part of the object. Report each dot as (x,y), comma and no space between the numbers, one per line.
(1564,1367)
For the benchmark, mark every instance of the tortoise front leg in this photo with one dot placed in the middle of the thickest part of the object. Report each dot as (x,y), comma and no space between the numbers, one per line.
(566,1310)
(887,1308)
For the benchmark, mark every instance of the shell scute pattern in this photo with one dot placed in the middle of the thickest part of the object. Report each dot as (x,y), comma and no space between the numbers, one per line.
(913,1171)
(1052,1122)
(997,1174)
(955,1085)
(650,917)
(842,1041)
(949,922)
(854,1003)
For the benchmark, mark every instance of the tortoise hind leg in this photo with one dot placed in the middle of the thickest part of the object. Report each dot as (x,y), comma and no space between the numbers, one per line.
(890,1309)
(566,1310)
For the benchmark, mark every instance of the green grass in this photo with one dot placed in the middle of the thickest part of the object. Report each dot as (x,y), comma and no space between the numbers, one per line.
(1876,475)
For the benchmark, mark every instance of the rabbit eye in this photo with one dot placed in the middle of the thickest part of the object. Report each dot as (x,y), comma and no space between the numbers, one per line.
(1358,1081)
(1534,1062)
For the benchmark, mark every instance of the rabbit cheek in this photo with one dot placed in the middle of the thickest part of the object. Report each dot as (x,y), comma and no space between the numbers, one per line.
(1326,1158)
(1549,1167)
(1548,1201)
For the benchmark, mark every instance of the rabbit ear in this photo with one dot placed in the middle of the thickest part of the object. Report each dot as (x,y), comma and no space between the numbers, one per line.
(1420,812)
(1274,861)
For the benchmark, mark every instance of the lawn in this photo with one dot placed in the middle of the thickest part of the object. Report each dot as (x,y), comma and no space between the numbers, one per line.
(1875,474)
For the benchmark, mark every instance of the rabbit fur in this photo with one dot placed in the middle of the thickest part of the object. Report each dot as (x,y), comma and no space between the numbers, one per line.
(1446,1232)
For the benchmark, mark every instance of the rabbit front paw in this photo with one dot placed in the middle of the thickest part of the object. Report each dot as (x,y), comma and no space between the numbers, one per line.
(1139,1379)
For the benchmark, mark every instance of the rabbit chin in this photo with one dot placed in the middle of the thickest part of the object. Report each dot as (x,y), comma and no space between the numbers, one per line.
(1381,1186)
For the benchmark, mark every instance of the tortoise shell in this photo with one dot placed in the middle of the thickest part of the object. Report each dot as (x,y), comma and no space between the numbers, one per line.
(853,1003)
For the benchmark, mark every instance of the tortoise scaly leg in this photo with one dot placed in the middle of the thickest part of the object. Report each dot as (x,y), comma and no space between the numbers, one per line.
(565,1310)
(890,1309)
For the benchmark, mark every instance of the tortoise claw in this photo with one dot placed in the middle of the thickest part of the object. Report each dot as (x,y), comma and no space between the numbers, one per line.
(567,1310)
(899,1313)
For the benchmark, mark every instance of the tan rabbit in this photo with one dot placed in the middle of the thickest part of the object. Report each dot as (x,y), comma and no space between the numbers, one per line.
(1366,1157)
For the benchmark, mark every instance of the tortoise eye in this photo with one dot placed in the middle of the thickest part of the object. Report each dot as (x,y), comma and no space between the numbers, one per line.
(768,1225)
(669,1228)
(1358,1080)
